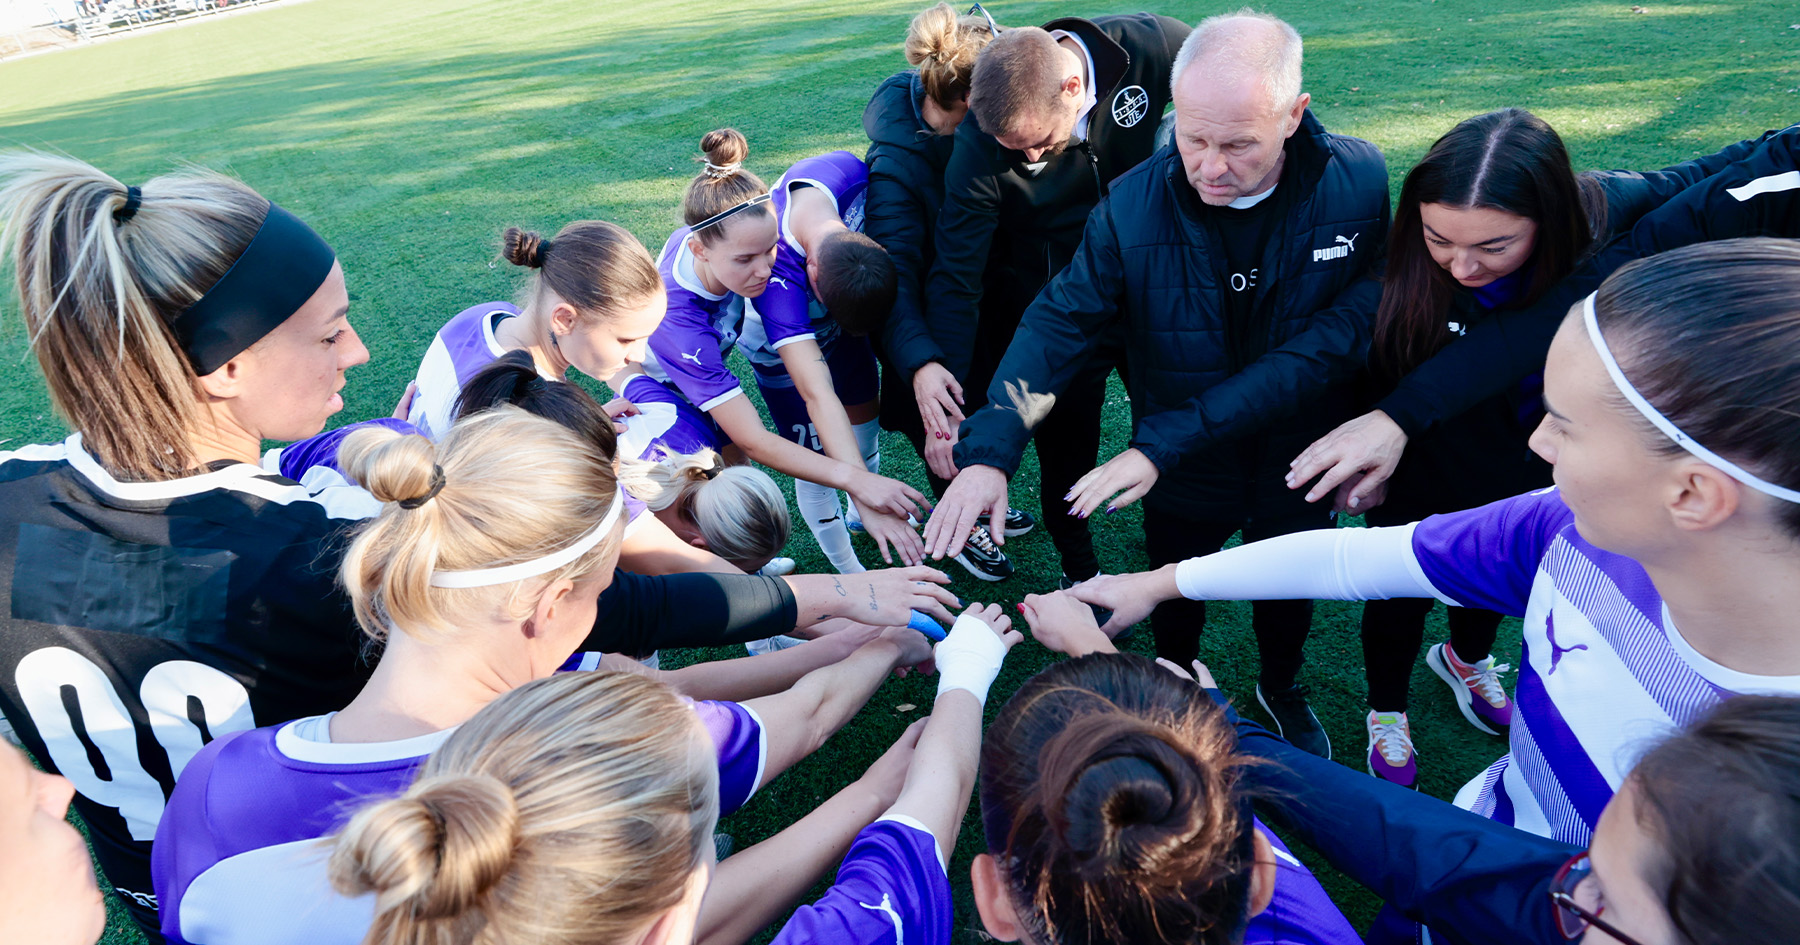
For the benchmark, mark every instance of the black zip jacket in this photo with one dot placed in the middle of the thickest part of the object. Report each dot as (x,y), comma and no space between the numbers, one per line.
(1220,431)
(1005,230)
(906,160)
(1749,189)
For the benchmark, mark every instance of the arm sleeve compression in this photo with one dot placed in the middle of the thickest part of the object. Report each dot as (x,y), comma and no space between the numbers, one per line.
(1319,564)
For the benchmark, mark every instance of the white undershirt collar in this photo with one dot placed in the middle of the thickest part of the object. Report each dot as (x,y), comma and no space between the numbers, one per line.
(1080,132)
(1245,203)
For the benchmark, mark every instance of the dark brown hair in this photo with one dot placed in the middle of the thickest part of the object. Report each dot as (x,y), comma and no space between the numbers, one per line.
(722,184)
(1708,334)
(598,267)
(1508,160)
(1723,799)
(857,281)
(1019,73)
(1110,796)
(513,379)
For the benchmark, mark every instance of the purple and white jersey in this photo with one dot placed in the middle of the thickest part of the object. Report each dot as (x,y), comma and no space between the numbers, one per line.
(1606,673)
(892,887)
(786,312)
(462,347)
(237,857)
(688,349)
(1300,913)
(665,425)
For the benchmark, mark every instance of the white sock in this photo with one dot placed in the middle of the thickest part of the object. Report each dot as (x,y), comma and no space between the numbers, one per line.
(868,443)
(819,505)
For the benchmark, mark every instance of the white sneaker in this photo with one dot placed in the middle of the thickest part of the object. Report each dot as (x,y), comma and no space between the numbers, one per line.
(777,567)
(770,645)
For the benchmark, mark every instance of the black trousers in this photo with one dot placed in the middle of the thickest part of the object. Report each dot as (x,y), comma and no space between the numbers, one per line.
(1393,631)
(1281,626)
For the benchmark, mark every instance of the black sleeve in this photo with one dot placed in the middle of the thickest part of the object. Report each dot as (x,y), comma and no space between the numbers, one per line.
(897,217)
(1055,336)
(965,234)
(1631,194)
(1175,32)
(639,613)
(1467,878)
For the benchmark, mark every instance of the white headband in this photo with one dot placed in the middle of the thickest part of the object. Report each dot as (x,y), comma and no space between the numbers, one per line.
(506,574)
(1662,423)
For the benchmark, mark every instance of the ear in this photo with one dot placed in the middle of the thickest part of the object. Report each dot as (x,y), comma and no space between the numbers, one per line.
(1262,873)
(227,383)
(563,319)
(677,925)
(698,540)
(696,247)
(1073,87)
(1703,497)
(993,901)
(1297,112)
(546,612)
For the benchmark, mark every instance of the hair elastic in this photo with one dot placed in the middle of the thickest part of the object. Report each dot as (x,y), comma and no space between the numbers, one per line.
(437,486)
(719,217)
(276,274)
(1663,423)
(506,574)
(134,198)
(721,171)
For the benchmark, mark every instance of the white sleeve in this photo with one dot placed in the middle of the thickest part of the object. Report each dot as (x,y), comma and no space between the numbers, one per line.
(1320,564)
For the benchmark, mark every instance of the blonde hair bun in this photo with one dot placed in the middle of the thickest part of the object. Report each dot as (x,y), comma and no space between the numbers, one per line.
(435,851)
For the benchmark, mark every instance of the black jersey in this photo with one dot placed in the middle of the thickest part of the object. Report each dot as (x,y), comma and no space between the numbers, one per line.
(145,619)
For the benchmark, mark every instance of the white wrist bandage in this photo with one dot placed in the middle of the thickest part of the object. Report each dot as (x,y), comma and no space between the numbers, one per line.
(969,658)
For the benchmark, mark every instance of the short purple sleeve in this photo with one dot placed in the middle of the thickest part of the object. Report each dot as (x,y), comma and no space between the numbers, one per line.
(1300,912)
(786,305)
(743,748)
(686,345)
(890,888)
(322,450)
(185,845)
(1487,557)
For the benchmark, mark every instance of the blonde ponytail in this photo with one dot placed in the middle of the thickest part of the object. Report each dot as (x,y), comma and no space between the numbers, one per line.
(738,509)
(943,46)
(466,503)
(572,810)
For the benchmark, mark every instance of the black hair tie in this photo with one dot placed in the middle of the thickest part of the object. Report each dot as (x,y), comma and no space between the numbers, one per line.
(437,486)
(537,385)
(134,198)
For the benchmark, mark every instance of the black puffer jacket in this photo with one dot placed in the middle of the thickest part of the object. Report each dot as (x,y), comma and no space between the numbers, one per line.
(1006,229)
(906,161)
(1220,432)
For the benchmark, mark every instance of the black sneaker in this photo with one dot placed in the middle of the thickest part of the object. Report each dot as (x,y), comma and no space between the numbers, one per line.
(1101,614)
(1017,522)
(1294,719)
(982,558)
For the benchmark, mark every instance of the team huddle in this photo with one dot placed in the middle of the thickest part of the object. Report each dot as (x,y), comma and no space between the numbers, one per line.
(399,681)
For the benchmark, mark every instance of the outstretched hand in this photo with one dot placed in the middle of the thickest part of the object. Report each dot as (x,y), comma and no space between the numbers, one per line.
(976,491)
(1201,676)
(876,493)
(893,536)
(1128,475)
(1130,597)
(1363,452)
(1061,622)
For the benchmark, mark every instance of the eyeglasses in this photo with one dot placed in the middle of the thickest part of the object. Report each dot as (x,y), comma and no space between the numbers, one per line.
(1576,901)
(993,28)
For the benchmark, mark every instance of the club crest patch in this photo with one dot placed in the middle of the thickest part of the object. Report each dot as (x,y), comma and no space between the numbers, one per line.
(1130,106)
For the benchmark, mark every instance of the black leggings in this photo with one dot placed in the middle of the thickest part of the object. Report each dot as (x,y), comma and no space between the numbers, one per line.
(1393,631)
(1281,626)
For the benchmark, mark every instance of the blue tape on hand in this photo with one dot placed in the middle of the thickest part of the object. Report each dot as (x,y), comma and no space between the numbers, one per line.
(924,624)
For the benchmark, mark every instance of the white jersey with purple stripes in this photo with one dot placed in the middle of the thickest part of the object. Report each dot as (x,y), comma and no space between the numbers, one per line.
(687,351)
(665,425)
(462,347)
(1606,672)
(787,312)
(237,857)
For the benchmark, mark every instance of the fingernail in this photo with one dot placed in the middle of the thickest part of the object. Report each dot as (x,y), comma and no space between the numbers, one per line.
(1354,502)
(1110,510)
(1021,607)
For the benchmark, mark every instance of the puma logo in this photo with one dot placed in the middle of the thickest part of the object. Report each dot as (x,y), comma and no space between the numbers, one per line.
(777,280)
(1340,248)
(1556,652)
(695,357)
(1349,241)
(886,907)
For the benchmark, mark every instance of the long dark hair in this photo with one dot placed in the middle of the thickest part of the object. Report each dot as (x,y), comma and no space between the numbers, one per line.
(512,378)
(1110,795)
(1509,160)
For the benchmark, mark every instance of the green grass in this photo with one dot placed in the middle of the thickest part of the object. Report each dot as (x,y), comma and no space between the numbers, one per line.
(411,132)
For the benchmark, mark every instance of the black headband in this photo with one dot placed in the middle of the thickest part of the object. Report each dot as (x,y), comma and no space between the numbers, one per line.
(278,272)
(716,218)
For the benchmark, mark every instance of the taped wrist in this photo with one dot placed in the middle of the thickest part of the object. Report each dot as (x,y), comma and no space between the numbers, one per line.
(969,658)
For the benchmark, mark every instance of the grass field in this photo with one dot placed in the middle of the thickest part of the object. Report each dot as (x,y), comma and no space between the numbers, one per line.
(410,132)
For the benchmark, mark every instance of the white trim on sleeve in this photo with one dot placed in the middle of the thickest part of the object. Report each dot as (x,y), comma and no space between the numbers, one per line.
(936,845)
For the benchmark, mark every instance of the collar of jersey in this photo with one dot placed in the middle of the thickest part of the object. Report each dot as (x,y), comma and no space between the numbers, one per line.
(84,463)
(785,186)
(683,271)
(292,746)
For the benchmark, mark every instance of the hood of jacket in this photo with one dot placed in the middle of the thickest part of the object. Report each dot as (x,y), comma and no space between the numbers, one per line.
(893,116)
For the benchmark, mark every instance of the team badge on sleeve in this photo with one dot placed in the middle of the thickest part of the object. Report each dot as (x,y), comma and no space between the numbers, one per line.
(1130,106)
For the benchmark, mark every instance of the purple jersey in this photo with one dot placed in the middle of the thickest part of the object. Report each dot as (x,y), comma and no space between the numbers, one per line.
(786,312)
(1605,670)
(237,857)
(665,425)
(462,347)
(688,349)
(1300,912)
(892,887)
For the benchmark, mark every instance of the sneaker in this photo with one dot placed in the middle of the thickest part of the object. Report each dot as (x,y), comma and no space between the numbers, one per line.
(777,567)
(1391,749)
(770,645)
(982,558)
(1101,614)
(1294,719)
(1479,693)
(1017,522)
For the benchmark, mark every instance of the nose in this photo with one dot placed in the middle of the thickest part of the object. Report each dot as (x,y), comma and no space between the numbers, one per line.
(1213,167)
(1033,155)
(54,793)
(1464,266)
(634,352)
(1542,443)
(355,352)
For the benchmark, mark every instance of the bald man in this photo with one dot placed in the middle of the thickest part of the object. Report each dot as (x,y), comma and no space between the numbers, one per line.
(1233,263)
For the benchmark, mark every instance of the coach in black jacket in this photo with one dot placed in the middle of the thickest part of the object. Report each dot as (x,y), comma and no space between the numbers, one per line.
(1236,354)
(1021,180)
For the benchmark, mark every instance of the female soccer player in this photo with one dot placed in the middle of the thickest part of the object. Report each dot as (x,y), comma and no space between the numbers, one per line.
(472,586)
(1660,574)
(526,801)
(728,283)
(909,122)
(1115,807)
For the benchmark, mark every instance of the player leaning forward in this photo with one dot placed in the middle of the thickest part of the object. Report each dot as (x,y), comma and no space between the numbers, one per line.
(1230,262)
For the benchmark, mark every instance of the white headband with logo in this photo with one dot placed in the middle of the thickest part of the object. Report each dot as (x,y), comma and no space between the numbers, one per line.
(506,574)
(1663,423)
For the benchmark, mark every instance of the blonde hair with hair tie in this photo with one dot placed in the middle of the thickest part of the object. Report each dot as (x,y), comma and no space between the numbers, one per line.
(944,47)
(738,509)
